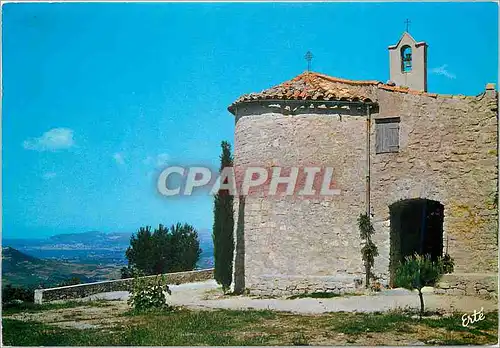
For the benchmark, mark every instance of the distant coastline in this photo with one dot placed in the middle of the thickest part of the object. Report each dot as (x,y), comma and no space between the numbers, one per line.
(97,249)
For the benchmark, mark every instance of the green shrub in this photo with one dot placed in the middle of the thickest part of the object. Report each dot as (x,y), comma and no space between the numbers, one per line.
(164,250)
(299,339)
(369,251)
(12,294)
(149,293)
(448,264)
(418,271)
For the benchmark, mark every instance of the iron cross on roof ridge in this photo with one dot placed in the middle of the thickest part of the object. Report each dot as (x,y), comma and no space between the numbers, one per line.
(407,22)
(309,56)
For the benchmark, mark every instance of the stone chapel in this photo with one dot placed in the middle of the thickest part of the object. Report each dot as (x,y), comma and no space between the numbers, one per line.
(423,165)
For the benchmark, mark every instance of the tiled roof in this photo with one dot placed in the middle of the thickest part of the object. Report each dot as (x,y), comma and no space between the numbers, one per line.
(405,90)
(314,86)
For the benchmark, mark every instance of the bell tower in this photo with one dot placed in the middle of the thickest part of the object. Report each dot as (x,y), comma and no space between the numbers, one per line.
(408,63)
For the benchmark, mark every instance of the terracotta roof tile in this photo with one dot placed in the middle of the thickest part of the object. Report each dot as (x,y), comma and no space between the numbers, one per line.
(316,86)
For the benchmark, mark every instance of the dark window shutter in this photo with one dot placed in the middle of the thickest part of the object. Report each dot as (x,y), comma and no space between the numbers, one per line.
(387,135)
(392,132)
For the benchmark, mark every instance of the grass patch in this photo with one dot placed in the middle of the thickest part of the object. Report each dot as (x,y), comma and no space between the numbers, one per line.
(490,322)
(185,327)
(400,322)
(470,333)
(20,333)
(30,307)
(181,327)
(370,322)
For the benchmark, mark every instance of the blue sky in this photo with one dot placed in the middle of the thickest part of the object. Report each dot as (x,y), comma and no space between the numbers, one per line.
(98,96)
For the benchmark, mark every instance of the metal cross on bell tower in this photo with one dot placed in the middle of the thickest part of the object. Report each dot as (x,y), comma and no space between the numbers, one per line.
(309,56)
(407,22)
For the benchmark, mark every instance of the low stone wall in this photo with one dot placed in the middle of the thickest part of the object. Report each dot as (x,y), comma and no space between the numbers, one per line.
(84,290)
(474,284)
(274,285)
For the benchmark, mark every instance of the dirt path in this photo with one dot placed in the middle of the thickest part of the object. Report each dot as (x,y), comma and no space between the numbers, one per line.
(208,296)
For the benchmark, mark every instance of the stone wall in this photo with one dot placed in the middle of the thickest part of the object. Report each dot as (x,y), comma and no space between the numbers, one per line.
(84,290)
(294,244)
(475,284)
(448,153)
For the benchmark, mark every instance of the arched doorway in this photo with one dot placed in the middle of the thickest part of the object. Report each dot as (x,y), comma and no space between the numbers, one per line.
(416,227)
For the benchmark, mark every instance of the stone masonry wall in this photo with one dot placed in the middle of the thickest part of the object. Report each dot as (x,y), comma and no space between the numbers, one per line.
(448,153)
(479,284)
(84,290)
(292,244)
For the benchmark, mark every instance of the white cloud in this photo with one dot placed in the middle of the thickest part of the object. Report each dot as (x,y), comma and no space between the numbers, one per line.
(52,140)
(49,175)
(119,158)
(442,71)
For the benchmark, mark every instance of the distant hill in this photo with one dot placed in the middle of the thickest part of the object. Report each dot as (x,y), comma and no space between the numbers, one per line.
(90,256)
(95,247)
(20,269)
(95,238)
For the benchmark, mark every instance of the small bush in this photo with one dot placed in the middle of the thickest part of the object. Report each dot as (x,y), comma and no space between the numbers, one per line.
(11,294)
(149,294)
(299,339)
(448,264)
(418,271)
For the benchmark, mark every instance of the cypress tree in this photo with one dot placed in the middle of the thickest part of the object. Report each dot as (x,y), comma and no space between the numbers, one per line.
(222,233)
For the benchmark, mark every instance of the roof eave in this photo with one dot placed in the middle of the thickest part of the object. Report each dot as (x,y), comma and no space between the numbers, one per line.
(232,108)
